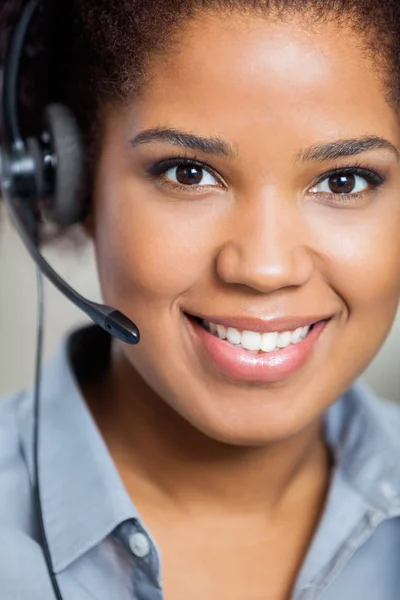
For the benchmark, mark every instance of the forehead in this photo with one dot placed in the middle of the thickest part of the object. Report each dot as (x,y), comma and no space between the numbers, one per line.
(234,75)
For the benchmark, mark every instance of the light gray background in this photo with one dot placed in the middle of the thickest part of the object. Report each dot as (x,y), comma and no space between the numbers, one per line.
(18,301)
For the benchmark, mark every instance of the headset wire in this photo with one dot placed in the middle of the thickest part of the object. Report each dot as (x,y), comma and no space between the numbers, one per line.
(36,435)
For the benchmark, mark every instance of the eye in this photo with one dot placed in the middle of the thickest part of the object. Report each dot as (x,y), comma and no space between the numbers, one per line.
(349,182)
(190,174)
(342,184)
(186,175)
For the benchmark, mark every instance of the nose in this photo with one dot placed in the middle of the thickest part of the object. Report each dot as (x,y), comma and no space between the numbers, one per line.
(267,247)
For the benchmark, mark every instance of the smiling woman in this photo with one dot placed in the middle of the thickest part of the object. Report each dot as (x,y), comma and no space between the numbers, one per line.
(242,194)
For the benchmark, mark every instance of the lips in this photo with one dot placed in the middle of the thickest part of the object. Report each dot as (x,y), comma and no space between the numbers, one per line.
(240,364)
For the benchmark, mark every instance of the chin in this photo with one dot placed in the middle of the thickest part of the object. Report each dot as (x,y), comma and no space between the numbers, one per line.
(234,430)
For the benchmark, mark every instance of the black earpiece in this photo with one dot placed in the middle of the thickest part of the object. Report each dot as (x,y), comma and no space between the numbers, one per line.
(62,134)
(49,168)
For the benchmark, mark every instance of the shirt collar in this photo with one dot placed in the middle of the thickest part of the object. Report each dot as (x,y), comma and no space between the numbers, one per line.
(363,433)
(83,497)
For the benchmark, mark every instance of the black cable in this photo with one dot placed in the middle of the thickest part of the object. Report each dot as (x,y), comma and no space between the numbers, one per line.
(36,437)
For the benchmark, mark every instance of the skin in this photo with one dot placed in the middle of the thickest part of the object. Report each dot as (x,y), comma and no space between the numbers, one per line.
(219,469)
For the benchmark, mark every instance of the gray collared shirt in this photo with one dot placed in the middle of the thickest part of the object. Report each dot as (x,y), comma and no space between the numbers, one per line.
(102,549)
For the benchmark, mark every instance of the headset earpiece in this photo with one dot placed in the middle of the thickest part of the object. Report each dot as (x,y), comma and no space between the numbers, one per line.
(49,168)
(61,132)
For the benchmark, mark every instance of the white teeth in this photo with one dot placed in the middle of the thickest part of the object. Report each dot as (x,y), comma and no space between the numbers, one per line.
(297,335)
(254,342)
(302,334)
(213,327)
(306,331)
(269,342)
(251,340)
(284,339)
(233,335)
(221,330)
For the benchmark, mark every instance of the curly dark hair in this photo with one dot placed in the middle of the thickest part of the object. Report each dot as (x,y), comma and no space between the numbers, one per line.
(85,52)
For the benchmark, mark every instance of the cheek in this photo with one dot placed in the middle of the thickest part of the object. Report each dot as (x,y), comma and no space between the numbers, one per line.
(150,250)
(366,250)
(362,266)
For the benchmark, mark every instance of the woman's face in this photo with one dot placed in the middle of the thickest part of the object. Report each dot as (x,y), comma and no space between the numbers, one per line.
(258,235)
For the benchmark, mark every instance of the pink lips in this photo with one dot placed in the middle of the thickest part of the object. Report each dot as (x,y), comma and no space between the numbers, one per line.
(239,364)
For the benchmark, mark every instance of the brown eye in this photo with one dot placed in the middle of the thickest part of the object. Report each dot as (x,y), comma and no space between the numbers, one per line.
(342,184)
(188,175)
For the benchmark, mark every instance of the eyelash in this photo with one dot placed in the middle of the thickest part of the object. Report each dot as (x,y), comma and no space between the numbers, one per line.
(156,171)
(367,172)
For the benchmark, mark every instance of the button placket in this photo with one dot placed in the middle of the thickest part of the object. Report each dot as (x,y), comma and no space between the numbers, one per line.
(139,543)
(146,564)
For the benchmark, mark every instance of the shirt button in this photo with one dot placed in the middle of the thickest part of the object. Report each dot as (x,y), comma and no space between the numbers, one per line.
(139,544)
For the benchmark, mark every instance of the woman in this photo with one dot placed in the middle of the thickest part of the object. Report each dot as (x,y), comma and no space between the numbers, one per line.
(243,183)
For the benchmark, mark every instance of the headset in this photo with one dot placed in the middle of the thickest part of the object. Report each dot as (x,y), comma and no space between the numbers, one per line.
(47,168)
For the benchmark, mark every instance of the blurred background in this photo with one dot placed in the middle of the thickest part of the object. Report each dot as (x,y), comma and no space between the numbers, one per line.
(18,301)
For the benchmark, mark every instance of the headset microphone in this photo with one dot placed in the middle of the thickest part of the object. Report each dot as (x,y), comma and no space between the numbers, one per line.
(49,167)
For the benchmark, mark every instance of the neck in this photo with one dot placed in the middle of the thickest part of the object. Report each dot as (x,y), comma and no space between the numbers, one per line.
(160,456)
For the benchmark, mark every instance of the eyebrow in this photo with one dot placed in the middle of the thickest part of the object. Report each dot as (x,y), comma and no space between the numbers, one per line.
(219,147)
(342,148)
(210,145)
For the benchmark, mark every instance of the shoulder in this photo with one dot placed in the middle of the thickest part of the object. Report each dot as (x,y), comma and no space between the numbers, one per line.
(362,430)
(19,550)
(361,411)
(377,413)
(15,480)
(23,571)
